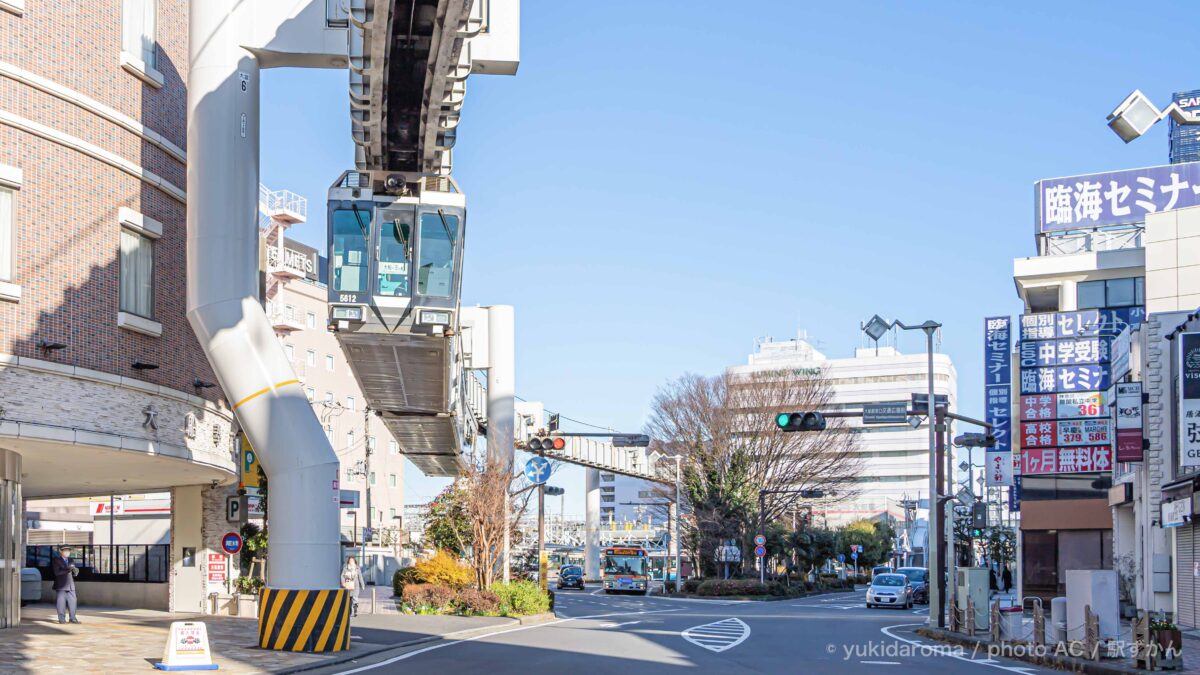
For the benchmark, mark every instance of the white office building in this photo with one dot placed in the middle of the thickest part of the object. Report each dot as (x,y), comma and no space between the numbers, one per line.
(895,457)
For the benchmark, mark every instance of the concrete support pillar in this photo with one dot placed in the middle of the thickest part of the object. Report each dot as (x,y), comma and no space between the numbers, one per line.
(12,538)
(591,550)
(501,391)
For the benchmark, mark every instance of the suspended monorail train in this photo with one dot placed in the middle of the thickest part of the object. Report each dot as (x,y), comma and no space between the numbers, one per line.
(395,274)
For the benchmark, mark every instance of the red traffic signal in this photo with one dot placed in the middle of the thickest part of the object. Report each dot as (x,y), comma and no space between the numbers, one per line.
(539,444)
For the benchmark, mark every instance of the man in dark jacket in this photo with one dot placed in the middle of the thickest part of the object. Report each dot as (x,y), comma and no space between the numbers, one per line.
(64,584)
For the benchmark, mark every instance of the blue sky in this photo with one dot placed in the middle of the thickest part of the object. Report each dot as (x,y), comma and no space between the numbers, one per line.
(663,182)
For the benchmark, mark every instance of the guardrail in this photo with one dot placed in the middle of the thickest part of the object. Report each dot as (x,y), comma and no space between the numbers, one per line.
(130,563)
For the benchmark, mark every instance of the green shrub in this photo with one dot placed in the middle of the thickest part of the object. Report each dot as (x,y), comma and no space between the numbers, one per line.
(402,576)
(521,597)
(690,585)
(248,585)
(444,569)
(428,598)
(720,587)
(471,601)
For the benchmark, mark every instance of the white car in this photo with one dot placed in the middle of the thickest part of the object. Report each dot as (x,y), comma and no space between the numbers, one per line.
(890,590)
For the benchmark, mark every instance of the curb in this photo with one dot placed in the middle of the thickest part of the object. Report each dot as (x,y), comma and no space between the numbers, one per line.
(1018,652)
(535,619)
(346,657)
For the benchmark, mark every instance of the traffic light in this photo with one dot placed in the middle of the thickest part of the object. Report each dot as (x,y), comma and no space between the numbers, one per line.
(800,421)
(539,444)
(978,519)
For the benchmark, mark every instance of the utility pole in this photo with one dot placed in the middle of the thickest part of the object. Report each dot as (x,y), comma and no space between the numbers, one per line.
(675,537)
(543,568)
(367,482)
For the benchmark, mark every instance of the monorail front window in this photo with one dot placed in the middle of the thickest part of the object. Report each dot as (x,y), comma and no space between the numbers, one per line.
(395,253)
(351,228)
(435,276)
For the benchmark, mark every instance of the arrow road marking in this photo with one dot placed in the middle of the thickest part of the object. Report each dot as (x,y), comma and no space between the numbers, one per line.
(718,636)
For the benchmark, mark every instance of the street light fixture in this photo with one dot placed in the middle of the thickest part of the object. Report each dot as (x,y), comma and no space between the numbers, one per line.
(875,329)
(1137,113)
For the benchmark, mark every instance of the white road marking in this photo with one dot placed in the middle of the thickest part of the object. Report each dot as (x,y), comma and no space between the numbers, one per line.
(886,630)
(402,657)
(881,663)
(718,636)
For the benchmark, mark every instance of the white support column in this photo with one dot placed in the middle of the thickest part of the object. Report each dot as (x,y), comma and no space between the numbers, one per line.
(222,298)
(501,391)
(591,520)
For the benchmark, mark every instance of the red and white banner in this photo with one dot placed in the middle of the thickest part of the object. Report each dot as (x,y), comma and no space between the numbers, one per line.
(1091,458)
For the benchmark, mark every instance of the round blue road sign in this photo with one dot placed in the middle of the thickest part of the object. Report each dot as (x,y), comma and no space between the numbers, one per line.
(760,551)
(841,557)
(537,470)
(231,542)
(760,540)
(854,556)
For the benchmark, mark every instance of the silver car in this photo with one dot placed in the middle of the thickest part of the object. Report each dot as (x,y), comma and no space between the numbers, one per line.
(890,590)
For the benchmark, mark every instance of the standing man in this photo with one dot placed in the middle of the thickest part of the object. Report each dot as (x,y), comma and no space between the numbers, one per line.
(64,584)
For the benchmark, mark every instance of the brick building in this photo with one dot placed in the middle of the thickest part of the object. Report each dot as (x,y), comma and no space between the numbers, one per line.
(103,386)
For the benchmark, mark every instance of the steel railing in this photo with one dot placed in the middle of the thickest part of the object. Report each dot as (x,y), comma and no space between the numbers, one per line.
(132,563)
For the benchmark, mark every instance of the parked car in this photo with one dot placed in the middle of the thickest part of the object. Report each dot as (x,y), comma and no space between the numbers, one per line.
(918,577)
(31,585)
(570,576)
(890,590)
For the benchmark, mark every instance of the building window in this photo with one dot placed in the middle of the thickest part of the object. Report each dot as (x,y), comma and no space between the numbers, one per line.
(310,393)
(392,513)
(371,480)
(310,320)
(608,498)
(1126,292)
(138,21)
(329,362)
(607,477)
(329,398)
(329,433)
(350,403)
(349,439)
(7,197)
(393,448)
(137,274)
(392,480)
(310,358)
(290,351)
(289,312)
(350,475)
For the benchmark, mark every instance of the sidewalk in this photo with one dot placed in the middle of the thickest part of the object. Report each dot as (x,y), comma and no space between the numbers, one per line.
(129,640)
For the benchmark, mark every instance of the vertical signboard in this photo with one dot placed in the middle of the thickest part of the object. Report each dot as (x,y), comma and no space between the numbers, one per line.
(1129,422)
(1189,399)
(997,390)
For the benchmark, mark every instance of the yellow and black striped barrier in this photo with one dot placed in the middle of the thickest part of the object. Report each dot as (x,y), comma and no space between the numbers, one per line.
(304,621)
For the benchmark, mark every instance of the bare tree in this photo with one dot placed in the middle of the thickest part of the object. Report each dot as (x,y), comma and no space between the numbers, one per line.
(724,428)
(491,505)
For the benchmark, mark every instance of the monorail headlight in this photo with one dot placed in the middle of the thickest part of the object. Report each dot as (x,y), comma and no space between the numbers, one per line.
(433,317)
(345,313)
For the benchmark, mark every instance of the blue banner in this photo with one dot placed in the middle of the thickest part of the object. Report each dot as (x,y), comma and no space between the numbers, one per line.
(997,378)
(1115,197)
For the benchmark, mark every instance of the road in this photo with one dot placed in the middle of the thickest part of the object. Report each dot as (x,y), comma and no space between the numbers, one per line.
(623,635)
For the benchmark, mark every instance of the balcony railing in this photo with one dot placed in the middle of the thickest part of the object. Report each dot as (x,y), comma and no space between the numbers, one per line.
(1093,241)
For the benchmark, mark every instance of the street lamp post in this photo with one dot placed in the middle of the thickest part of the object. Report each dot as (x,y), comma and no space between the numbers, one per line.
(675,537)
(876,328)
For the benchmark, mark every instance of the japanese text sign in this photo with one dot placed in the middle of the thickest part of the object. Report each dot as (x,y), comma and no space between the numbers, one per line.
(1189,399)
(1115,197)
(1129,422)
(1035,461)
(997,378)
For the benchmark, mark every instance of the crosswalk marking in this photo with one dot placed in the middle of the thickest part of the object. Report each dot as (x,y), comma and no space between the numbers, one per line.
(718,636)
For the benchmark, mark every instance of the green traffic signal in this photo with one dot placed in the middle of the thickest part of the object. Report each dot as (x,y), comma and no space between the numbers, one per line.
(783,419)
